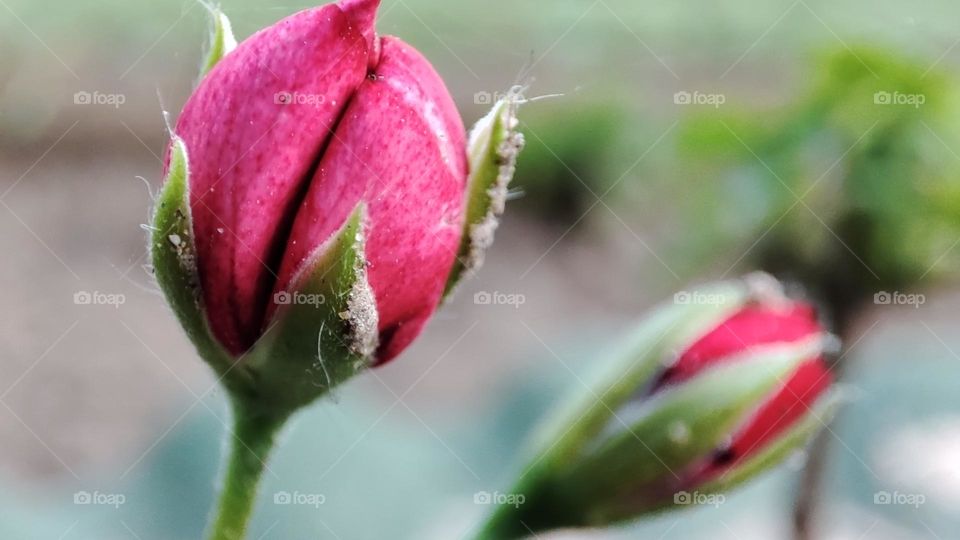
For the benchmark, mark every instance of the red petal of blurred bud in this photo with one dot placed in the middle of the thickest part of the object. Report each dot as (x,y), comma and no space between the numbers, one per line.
(753,326)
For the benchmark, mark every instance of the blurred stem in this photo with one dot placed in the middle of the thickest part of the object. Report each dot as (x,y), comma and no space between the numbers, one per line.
(250,443)
(538,511)
(503,524)
(812,478)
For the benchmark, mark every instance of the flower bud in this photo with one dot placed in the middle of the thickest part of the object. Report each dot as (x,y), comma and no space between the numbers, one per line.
(711,390)
(754,326)
(315,209)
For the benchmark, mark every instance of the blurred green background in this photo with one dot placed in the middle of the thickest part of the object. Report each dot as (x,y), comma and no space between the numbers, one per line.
(693,141)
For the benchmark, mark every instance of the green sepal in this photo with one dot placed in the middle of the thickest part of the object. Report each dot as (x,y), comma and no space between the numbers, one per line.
(173,258)
(324,329)
(674,431)
(222,40)
(492,151)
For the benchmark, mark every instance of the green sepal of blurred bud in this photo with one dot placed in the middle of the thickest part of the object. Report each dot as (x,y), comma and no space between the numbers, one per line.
(614,453)
(492,151)
(322,333)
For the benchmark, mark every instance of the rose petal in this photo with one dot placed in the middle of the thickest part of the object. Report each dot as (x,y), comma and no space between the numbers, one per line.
(250,154)
(401,148)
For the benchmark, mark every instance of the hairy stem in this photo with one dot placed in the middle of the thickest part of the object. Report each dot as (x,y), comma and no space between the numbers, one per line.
(250,443)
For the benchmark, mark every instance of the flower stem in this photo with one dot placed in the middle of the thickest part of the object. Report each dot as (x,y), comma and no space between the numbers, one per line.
(250,443)
(503,524)
(505,521)
(813,477)
(538,508)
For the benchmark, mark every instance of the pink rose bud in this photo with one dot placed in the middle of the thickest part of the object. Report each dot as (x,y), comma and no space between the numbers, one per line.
(312,142)
(755,326)
(715,388)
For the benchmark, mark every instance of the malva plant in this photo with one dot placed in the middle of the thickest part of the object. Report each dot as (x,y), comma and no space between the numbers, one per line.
(321,198)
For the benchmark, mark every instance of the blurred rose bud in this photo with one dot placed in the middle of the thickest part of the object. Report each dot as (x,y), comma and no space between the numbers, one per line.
(711,390)
(755,325)
(321,197)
